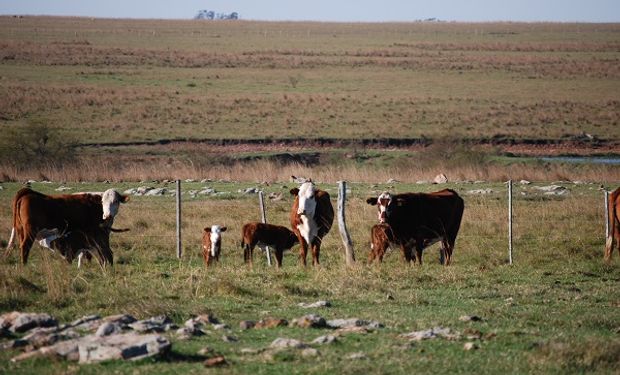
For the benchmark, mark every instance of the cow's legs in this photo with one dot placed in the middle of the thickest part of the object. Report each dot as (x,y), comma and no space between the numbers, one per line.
(406,253)
(303,250)
(25,244)
(247,253)
(316,250)
(279,255)
(419,248)
(446,250)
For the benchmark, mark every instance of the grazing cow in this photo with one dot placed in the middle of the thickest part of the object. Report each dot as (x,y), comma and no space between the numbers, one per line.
(276,236)
(212,243)
(312,216)
(68,222)
(422,219)
(613,210)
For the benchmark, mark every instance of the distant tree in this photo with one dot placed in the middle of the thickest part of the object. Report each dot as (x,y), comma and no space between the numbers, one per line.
(35,145)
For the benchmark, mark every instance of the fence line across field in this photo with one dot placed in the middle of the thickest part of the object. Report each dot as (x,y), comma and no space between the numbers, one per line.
(346,238)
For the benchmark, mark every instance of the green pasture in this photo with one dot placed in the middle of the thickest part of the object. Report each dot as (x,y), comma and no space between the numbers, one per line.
(555,310)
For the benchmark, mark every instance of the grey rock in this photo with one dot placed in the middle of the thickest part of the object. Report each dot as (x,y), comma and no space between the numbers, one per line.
(309,321)
(281,343)
(309,352)
(313,305)
(433,333)
(22,322)
(358,355)
(247,324)
(327,339)
(109,328)
(128,346)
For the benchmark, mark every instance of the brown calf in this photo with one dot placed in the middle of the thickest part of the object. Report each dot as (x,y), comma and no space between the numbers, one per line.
(381,236)
(276,236)
(212,243)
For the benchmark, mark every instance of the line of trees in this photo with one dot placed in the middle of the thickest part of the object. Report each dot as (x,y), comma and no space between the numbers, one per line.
(211,15)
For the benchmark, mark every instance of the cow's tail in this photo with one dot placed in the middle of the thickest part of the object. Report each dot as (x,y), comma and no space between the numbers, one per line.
(20,193)
(10,244)
(613,222)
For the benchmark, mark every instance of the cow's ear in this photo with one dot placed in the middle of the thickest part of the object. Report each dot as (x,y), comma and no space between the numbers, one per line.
(124,198)
(372,201)
(207,229)
(294,191)
(223,229)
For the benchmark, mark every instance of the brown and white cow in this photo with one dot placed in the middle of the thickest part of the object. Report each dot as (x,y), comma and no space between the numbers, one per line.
(613,209)
(69,223)
(212,243)
(261,234)
(312,216)
(422,219)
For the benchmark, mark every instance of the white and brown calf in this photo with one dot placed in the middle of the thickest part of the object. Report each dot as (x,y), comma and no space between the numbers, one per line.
(261,234)
(212,243)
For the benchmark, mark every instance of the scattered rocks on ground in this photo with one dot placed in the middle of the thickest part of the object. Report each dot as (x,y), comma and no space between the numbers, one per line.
(63,188)
(470,346)
(155,324)
(271,323)
(309,352)
(433,333)
(470,318)
(524,182)
(314,305)
(309,321)
(480,191)
(440,179)
(358,355)
(552,189)
(247,324)
(17,322)
(327,339)
(250,190)
(92,348)
(228,338)
(353,322)
(281,343)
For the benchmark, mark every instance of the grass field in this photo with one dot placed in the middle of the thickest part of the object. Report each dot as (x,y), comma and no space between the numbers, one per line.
(83,101)
(556,310)
(131,80)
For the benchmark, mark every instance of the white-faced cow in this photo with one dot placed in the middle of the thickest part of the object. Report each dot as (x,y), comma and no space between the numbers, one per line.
(422,219)
(212,243)
(261,234)
(312,216)
(68,223)
(613,209)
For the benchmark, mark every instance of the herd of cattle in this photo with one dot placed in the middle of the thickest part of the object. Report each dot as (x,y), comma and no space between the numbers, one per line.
(80,224)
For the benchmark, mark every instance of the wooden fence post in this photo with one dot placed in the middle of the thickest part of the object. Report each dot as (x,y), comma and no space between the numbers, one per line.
(261,203)
(342,226)
(178,197)
(509,221)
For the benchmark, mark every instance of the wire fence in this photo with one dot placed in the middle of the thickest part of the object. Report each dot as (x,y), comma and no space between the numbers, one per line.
(566,216)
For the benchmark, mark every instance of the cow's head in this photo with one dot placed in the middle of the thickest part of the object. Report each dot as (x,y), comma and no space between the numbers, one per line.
(111,200)
(307,201)
(383,205)
(215,232)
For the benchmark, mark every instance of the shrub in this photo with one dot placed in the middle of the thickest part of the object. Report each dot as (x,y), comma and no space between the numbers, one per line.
(35,146)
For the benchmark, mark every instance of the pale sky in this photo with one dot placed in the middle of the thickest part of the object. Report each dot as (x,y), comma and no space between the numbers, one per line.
(330,10)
